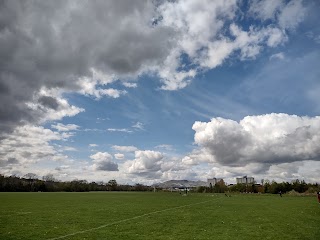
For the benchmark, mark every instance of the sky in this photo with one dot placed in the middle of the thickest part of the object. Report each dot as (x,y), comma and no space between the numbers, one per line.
(150,91)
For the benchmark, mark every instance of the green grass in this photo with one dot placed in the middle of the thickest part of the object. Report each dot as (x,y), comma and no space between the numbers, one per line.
(122,215)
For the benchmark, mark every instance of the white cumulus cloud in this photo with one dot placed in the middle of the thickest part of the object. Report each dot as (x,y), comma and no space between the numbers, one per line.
(270,139)
(119,156)
(30,144)
(103,161)
(146,163)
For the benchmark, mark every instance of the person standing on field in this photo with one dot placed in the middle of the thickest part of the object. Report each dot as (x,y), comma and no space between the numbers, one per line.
(318,193)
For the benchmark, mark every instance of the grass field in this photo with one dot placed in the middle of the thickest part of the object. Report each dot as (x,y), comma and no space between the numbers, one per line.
(134,215)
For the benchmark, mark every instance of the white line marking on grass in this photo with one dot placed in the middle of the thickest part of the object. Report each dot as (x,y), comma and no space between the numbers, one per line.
(128,219)
(22,213)
(16,213)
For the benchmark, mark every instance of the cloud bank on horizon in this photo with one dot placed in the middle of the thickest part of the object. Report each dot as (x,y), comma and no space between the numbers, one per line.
(52,53)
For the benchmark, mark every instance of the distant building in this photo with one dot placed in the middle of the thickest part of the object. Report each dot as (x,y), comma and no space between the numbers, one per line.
(213,181)
(245,180)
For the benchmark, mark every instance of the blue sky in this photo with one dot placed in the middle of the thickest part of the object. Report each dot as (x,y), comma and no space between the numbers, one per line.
(98,91)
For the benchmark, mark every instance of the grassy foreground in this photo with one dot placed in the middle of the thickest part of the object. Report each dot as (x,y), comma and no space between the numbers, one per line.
(134,215)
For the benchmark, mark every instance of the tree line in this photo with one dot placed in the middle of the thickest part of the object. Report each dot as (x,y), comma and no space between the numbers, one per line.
(31,183)
(266,186)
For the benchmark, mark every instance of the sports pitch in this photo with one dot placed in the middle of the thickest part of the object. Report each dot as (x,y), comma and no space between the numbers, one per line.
(135,215)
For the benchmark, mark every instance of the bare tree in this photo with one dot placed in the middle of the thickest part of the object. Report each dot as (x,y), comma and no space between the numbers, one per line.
(31,176)
(48,178)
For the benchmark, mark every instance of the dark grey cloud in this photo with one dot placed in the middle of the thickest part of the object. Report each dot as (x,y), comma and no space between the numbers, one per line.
(7,162)
(50,45)
(107,166)
(53,46)
(49,102)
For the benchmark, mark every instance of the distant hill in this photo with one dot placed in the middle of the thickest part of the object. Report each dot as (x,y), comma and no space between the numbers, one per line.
(180,184)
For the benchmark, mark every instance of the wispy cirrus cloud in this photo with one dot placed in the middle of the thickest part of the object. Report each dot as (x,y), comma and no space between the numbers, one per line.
(138,126)
(279,56)
(125,148)
(125,130)
(65,128)
(93,145)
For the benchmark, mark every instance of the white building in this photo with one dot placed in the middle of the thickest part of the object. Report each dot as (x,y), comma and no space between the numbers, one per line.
(213,181)
(245,180)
